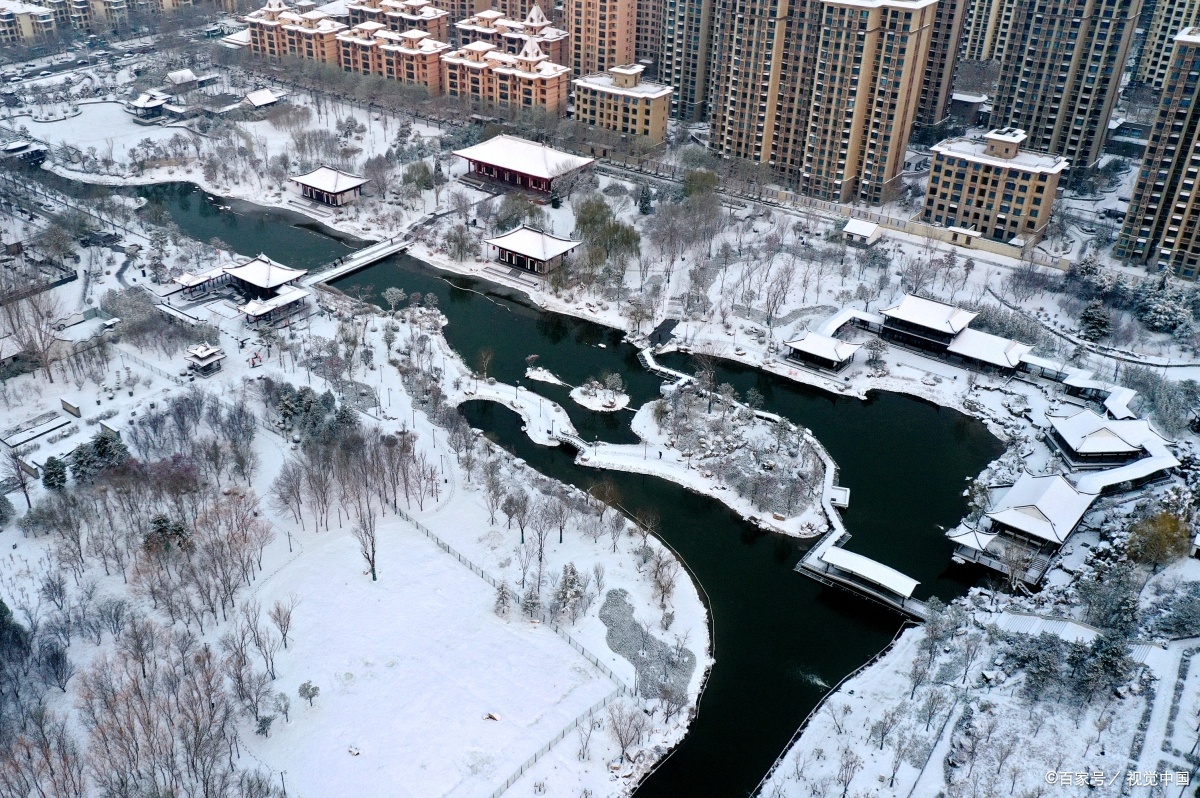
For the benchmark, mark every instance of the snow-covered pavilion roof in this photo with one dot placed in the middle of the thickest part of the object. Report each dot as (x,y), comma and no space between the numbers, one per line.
(149,99)
(204,354)
(972,538)
(823,346)
(286,296)
(330,180)
(181,76)
(1088,433)
(263,272)
(1046,507)
(988,348)
(933,315)
(869,569)
(262,97)
(534,243)
(526,157)
(189,280)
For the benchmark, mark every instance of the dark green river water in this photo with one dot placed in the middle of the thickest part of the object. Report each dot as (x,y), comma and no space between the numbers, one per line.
(779,637)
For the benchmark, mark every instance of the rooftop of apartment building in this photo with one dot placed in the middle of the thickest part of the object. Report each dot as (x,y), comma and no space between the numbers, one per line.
(624,80)
(1188,36)
(17,7)
(531,55)
(980,150)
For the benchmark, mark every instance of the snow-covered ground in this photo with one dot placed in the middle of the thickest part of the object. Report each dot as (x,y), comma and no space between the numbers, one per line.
(601,400)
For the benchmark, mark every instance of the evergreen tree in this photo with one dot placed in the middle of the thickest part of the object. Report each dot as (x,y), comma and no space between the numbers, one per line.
(644,207)
(7,511)
(309,691)
(1094,321)
(504,597)
(54,474)
(532,601)
(569,592)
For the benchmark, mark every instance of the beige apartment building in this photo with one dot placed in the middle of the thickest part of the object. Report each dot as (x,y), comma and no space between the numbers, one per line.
(603,33)
(684,55)
(1161,225)
(619,101)
(510,35)
(277,31)
(993,187)
(461,9)
(826,95)
(402,15)
(485,75)
(937,84)
(412,58)
(22,23)
(1060,72)
(1169,18)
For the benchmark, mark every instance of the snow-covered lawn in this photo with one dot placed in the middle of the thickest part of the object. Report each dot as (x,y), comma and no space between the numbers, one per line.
(98,125)
(409,667)
(601,401)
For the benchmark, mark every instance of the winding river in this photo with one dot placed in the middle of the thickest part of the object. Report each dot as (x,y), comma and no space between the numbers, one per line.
(780,638)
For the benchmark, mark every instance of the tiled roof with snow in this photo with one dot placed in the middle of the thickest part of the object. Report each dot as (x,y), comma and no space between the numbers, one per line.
(526,157)
(1088,433)
(534,243)
(933,315)
(823,346)
(263,272)
(988,348)
(330,180)
(1046,507)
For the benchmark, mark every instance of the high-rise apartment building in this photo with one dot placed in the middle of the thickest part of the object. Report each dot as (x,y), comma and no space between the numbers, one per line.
(1161,225)
(1168,19)
(412,58)
(401,15)
(683,55)
(648,33)
(461,9)
(993,186)
(938,82)
(1060,72)
(981,29)
(602,33)
(824,91)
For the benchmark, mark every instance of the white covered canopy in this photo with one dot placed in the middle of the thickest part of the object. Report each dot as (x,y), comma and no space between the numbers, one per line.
(870,570)
(933,315)
(823,346)
(533,243)
(1046,507)
(526,157)
(261,98)
(988,348)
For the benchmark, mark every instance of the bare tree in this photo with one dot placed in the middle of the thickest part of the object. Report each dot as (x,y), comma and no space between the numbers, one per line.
(364,533)
(848,767)
(627,724)
(281,615)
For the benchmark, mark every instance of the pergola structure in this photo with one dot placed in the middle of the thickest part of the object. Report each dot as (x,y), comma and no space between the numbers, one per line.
(531,249)
(525,164)
(330,186)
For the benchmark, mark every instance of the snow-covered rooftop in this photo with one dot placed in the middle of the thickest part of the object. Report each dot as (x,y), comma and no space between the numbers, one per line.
(872,571)
(1045,507)
(976,151)
(606,82)
(988,348)
(261,97)
(1188,36)
(823,346)
(927,313)
(968,97)
(859,227)
(533,243)
(181,76)
(286,296)
(263,272)
(330,180)
(204,354)
(527,157)
(1088,433)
